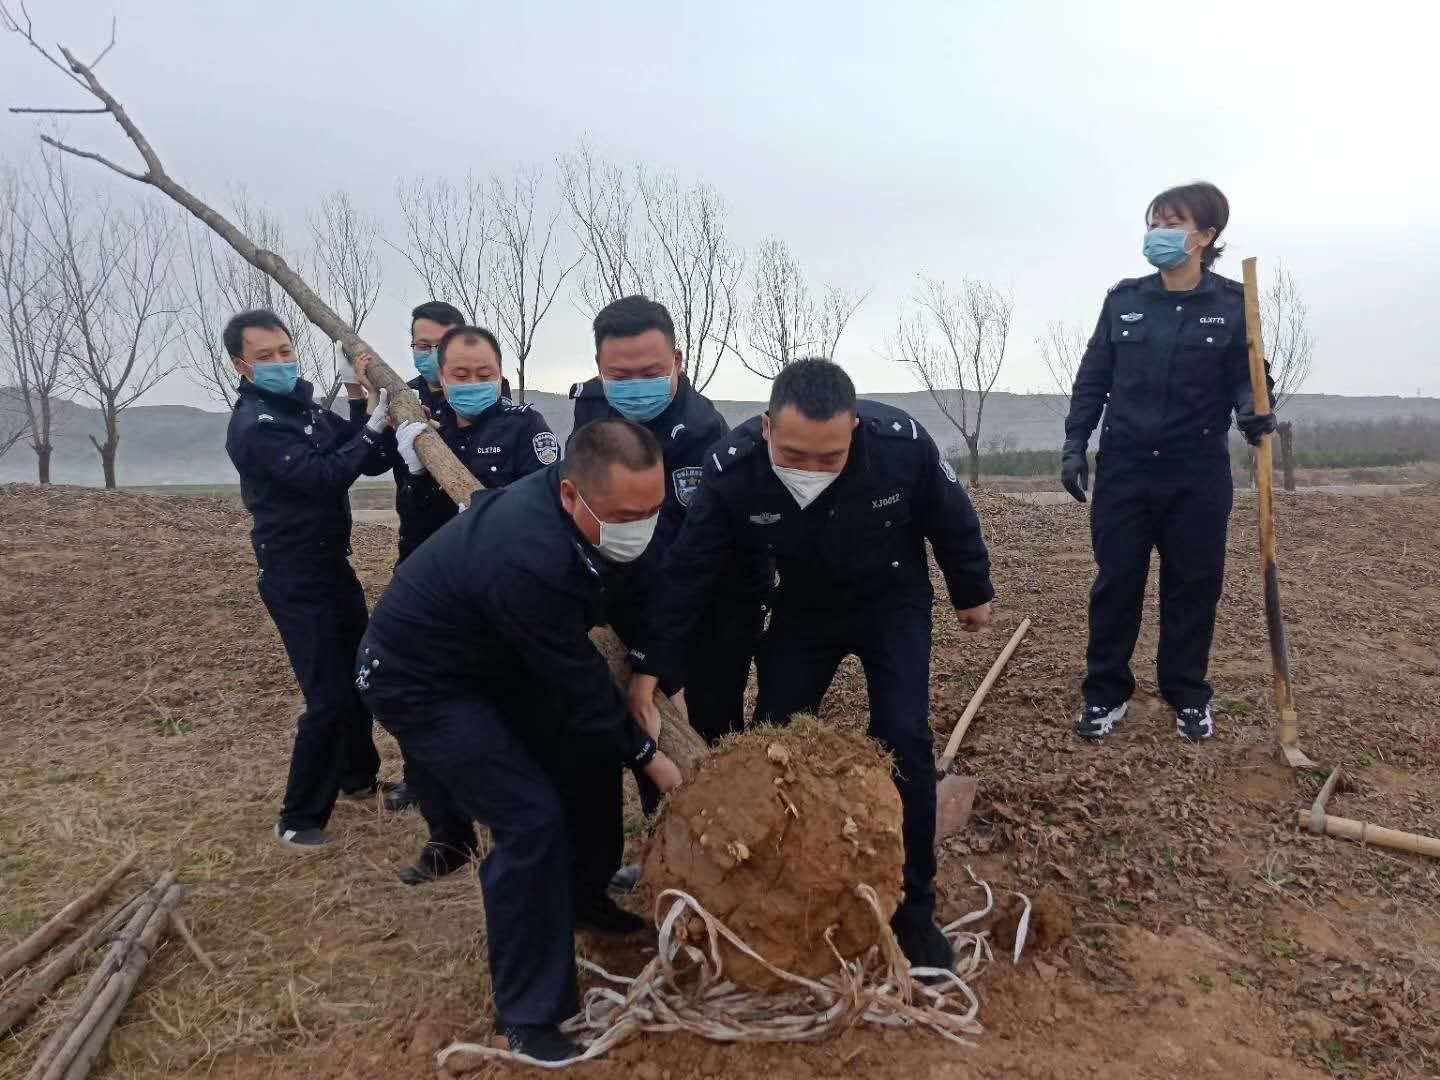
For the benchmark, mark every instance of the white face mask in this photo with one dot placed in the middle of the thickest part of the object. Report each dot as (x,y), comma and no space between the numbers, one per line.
(622,541)
(804,485)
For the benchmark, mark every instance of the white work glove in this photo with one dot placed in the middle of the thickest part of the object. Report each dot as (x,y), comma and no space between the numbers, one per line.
(377,420)
(405,436)
(345,371)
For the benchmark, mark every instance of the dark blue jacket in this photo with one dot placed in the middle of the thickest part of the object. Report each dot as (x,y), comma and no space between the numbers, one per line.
(860,543)
(499,603)
(1168,369)
(502,444)
(296,461)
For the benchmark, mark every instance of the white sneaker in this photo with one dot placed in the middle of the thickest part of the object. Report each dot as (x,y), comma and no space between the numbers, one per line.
(1195,724)
(1097,721)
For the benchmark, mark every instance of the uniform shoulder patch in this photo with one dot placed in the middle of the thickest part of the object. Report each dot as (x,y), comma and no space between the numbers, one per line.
(576,389)
(512,407)
(264,417)
(1123,283)
(896,426)
(685,482)
(547,447)
(727,453)
(949,471)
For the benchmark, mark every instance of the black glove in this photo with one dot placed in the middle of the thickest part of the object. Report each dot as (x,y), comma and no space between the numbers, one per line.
(1075,468)
(1254,427)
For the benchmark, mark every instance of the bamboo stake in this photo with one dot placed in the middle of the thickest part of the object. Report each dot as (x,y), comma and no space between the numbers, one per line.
(98,979)
(37,989)
(64,920)
(1365,833)
(1288,727)
(183,929)
(111,1004)
(953,746)
(456,480)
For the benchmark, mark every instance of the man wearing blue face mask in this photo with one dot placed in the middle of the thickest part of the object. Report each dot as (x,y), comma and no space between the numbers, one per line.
(642,379)
(296,462)
(499,442)
(1168,364)
(478,660)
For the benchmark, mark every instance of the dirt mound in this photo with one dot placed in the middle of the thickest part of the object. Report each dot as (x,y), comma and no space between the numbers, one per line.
(772,836)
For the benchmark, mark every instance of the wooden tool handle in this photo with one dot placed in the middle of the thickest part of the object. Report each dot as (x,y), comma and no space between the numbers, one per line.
(953,745)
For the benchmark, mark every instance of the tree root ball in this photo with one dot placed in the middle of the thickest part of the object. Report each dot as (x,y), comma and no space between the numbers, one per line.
(773,834)
(1049,921)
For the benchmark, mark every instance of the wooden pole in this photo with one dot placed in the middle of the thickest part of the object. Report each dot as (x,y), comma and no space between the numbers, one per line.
(1365,833)
(1286,717)
(64,920)
(953,746)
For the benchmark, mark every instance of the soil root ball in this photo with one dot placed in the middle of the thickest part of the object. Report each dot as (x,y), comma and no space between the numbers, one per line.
(1049,922)
(773,834)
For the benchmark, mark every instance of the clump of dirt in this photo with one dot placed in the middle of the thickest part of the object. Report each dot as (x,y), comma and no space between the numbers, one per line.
(772,836)
(1050,922)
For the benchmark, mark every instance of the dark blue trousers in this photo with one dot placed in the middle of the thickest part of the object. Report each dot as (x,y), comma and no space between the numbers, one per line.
(557,831)
(798,657)
(1179,507)
(319,609)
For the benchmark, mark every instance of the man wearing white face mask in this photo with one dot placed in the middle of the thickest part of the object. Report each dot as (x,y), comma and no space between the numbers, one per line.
(478,660)
(843,494)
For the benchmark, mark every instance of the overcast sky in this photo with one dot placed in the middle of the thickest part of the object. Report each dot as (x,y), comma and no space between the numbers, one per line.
(1014,141)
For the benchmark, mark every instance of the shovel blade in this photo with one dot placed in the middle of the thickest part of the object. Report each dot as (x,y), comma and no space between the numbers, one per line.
(954,800)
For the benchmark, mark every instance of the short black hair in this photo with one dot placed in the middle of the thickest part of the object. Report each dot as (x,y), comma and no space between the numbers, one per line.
(468,335)
(603,443)
(1205,203)
(817,387)
(254,319)
(437,311)
(631,316)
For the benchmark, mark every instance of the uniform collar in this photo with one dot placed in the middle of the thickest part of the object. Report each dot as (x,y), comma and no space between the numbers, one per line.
(302,397)
(1154,286)
(452,418)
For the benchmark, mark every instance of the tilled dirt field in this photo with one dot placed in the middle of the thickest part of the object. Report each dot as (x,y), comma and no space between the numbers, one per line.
(147,703)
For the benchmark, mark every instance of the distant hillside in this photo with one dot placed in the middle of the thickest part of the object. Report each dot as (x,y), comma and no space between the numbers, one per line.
(178,444)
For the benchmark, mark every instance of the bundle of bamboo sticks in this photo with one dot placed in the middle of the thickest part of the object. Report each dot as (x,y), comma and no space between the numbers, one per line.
(134,929)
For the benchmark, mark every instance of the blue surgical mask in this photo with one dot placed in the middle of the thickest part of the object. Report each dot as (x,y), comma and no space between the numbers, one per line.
(470,399)
(1165,248)
(276,378)
(638,399)
(427,363)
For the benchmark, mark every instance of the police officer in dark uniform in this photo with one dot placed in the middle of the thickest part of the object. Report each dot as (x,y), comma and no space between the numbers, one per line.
(429,322)
(1168,364)
(642,379)
(843,495)
(296,462)
(478,661)
(498,441)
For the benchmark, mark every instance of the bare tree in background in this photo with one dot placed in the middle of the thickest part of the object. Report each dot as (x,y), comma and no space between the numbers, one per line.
(115,267)
(645,232)
(14,423)
(1061,347)
(447,240)
(523,275)
(1289,347)
(956,342)
(784,322)
(345,239)
(216,283)
(34,323)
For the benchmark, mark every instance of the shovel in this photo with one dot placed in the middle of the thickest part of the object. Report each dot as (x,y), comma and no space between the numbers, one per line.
(955,795)
(1286,718)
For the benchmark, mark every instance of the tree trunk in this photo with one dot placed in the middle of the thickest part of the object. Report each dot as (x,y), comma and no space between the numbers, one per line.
(521,398)
(973,443)
(1287,453)
(42,456)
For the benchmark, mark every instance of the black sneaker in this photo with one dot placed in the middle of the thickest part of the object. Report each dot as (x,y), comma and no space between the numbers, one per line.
(626,879)
(1097,721)
(923,943)
(1195,724)
(369,791)
(435,861)
(401,797)
(543,1043)
(301,838)
(606,918)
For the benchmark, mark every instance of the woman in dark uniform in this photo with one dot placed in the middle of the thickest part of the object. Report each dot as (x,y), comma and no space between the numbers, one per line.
(1168,366)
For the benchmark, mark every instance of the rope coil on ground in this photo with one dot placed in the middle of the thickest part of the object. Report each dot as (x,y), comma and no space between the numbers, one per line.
(683,989)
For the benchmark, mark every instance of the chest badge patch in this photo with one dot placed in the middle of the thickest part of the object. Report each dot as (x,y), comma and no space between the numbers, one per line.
(547,447)
(309,429)
(764,519)
(686,481)
(1132,316)
(1213,320)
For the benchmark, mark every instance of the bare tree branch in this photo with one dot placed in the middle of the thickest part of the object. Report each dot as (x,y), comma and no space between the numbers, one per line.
(345,241)
(1289,344)
(783,320)
(447,240)
(61,112)
(1061,347)
(601,200)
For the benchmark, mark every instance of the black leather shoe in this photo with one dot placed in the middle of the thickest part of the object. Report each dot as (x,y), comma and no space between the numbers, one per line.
(435,861)
(401,797)
(923,943)
(369,791)
(543,1043)
(604,917)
